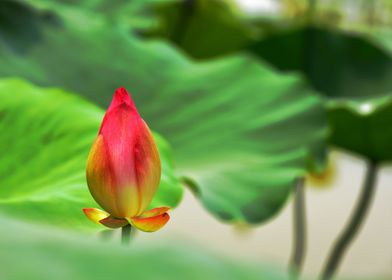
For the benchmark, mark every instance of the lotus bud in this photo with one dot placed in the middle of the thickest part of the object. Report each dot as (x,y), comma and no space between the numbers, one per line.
(124,169)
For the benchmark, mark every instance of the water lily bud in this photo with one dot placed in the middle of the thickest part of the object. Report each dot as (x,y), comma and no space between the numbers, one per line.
(123,167)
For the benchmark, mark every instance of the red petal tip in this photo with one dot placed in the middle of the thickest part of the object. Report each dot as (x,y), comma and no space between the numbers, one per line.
(121,96)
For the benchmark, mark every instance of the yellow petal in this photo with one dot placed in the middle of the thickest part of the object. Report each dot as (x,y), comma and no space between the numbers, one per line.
(154,212)
(150,224)
(95,215)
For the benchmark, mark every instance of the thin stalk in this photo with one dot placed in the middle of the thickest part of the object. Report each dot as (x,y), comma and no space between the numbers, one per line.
(299,230)
(126,234)
(362,207)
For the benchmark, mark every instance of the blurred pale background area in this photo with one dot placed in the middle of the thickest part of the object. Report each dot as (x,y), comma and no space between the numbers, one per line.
(354,10)
(328,208)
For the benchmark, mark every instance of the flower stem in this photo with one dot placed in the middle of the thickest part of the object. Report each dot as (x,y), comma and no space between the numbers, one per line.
(357,218)
(299,230)
(126,234)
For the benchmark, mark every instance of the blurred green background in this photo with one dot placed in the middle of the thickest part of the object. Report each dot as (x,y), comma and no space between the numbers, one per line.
(244,97)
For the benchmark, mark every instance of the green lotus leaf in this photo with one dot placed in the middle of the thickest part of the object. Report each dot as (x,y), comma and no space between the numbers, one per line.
(203,28)
(135,15)
(338,64)
(241,133)
(363,127)
(353,72)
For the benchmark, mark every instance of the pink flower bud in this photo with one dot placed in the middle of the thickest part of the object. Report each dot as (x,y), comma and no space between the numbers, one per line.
(123,167)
